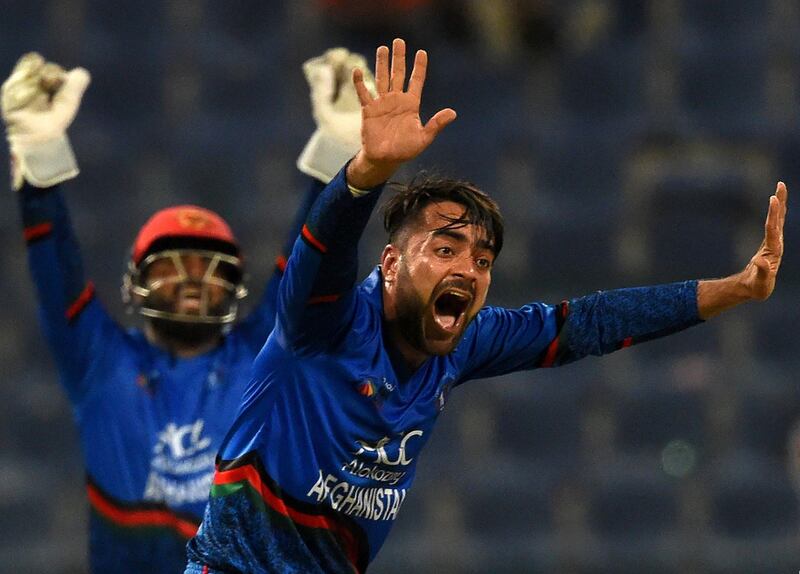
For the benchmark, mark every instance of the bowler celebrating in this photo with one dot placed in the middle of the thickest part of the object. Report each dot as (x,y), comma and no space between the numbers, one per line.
(323,451)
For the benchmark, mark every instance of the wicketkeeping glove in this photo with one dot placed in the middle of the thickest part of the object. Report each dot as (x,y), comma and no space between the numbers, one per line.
(337,112)
(39,102)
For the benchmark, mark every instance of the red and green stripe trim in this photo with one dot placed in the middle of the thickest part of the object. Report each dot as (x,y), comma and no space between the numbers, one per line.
(80,302)
(247,472)
(36,232)
(139,515)
(313,241)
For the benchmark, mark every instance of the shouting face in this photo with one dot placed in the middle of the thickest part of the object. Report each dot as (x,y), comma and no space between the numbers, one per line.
(189,284)
(436,276)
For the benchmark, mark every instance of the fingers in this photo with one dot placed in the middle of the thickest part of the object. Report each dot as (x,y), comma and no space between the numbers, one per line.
(782,193)
(22,86)
(439,121)
(358,61)
(52,77)
(382,70)
(398,80)
(28,65)
(417,81)
(395,81)
(771,231)
(361,89)
(320,77)
(68,97)
(772,212)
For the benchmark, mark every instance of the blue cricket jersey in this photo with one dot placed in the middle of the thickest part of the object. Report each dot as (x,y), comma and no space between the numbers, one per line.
(150,423)
(323,452)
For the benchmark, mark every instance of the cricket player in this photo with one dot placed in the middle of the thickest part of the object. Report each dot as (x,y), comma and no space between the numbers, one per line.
(152,405)
(323,451)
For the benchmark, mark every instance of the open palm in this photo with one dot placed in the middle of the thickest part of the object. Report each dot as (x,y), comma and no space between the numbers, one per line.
(392,131)
(761,273)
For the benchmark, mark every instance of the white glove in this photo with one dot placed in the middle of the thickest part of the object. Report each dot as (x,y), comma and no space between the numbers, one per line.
(337,112)
(39,102)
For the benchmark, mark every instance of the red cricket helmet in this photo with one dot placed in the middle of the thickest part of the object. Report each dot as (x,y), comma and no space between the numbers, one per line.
(179,230)
(196,224)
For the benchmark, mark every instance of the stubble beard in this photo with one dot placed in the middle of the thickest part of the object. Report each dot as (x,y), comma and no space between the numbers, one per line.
(412,312)
(182,333)
(185,334)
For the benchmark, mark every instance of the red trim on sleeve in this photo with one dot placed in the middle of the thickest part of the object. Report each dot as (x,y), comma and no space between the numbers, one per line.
(313,240)
(323,299)
(37,231)
(627,342)
(280,263)
(550,357)
(80,303)
(552,349)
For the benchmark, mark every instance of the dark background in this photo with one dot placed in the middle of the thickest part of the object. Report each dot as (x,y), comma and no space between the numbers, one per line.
(628,142)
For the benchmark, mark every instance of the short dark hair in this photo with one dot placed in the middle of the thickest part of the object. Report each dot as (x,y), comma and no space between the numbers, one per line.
(409,200)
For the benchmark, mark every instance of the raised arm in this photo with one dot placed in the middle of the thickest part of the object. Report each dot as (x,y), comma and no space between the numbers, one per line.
(540,335)
(39,102)
(322,269)
(337,113)
(392,132)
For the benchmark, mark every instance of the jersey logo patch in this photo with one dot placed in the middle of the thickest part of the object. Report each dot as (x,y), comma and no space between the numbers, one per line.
(366,388)
(377,389)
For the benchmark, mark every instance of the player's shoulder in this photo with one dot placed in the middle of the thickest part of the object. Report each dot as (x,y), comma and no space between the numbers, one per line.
(493,321)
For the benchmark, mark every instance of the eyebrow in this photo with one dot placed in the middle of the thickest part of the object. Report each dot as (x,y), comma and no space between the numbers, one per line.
(462,238)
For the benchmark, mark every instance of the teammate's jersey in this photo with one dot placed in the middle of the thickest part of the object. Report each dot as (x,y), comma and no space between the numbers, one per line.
(150,423)
(323,451)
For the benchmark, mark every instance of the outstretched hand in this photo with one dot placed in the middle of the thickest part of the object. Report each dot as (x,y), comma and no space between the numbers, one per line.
(757,280)
(392,131)
(761,272)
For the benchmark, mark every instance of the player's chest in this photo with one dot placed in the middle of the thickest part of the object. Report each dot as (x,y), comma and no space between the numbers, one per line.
(370,395)
(160,409)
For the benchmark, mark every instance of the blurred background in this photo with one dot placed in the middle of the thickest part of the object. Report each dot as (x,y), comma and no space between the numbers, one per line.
(628,141)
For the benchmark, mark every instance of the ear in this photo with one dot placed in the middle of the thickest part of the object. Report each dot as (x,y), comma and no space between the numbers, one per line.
(389,261)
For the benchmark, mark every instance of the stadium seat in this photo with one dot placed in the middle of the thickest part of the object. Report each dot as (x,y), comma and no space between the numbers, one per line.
(633,505)
(752,498)
(650,418)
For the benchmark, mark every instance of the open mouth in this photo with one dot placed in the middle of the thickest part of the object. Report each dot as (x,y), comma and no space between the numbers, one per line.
(450,308)
(190,300)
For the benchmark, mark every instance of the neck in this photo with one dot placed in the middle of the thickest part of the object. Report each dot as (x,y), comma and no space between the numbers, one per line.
(401,350)
(178,346)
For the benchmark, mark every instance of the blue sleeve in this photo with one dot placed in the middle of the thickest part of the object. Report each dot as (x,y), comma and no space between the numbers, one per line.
(315,298)
(73,321)
(258,324)
(538,335)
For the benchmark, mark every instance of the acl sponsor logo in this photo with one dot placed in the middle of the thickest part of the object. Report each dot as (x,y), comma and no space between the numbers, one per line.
(182,466)
(182,441)
(384,451)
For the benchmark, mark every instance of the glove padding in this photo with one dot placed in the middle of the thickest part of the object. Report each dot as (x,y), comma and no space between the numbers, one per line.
(337,112)
(39,102)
